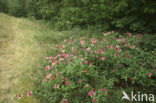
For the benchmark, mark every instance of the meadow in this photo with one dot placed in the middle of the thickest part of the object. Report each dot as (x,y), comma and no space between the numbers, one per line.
(39,64)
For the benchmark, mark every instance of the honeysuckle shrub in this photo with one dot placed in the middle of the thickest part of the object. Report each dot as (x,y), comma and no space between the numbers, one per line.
(96,68)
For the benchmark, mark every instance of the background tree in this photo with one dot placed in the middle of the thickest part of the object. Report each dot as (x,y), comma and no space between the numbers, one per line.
(120,15)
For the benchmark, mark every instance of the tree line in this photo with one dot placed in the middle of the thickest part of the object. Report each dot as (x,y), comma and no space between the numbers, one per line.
(120,15)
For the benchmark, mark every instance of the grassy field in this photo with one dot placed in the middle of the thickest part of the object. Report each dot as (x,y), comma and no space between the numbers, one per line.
(23,45)
(92,61)
(19,53)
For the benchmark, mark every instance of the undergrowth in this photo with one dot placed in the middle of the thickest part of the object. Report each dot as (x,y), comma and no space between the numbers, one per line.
(84,67)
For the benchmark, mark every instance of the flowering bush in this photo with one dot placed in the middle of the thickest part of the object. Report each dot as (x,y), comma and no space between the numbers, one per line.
(93,69)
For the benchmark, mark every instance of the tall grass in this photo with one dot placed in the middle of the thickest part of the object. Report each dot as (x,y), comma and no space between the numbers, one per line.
(20,53)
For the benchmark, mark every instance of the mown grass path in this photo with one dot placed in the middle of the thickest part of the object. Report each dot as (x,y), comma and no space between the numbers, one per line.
(19,54)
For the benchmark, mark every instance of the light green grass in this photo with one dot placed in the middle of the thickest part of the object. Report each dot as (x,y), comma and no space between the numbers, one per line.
(20,54)
(23,45)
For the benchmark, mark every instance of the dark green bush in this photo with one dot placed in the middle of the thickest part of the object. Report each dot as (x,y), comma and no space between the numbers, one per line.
(120,15)
(3,6)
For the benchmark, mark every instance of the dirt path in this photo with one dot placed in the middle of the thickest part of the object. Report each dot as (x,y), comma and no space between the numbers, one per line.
(17,59)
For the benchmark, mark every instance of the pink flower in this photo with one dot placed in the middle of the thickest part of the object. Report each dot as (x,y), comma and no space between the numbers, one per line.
(108,32)
(65,101)
(65,40)
(29,93)
(104,90)
(117,54)
(69,59)
(88,48)
(121,64)
(71,41)
(61,59)
(51,57)
(93,41)
(67,83)
(91,93)
(54,77)
(71,55)
(102,58)
(149,74)
(82,42)
(64,79)
(46,57)
(94,89)
(65,55)
(90,65)
(105,34)
(57,63)
(80,81)
(99,51)
(118,49)
(155,69)
(62,46)
(75,56)
(117,46)
(85,62)
(94,100)
(102,48)
(132,46)
(109,46)
(56,48)
(44,80)
(117,39)
(131,79)
(91,61)
(35,78)
(53,63)
(138,34)
(127,44)
(73,49)
(63,50)
(128,56)
(86,71)
(128,33)
(58,74)
(20,96)
(77,52)
(47,68)
(55,58)
(56,86)
(126,53)
(48,75)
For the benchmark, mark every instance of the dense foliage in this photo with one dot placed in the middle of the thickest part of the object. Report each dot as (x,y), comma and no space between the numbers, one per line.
(121,15)
(92,66)
(96,68)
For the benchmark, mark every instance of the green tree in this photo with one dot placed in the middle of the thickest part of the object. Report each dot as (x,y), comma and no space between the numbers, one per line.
(3,6)
(16,7)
